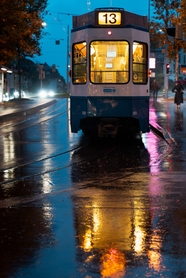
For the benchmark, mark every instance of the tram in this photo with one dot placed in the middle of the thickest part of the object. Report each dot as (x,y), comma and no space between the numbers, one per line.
(109,85)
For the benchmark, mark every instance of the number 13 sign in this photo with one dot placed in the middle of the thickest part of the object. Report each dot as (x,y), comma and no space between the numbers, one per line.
(109,18)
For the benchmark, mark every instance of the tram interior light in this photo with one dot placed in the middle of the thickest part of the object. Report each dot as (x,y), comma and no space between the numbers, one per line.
(108,66)
(111,54)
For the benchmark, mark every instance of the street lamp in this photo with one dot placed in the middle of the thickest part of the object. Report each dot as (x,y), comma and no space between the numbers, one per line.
(3,70)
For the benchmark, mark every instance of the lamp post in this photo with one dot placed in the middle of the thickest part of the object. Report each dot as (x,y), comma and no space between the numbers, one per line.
(166,75)
(67,76)
(67,53)
(3,70)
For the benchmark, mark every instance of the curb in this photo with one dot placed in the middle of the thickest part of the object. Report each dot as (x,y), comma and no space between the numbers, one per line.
(26,112)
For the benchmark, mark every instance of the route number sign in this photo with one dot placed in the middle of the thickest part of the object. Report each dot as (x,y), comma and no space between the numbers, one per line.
(109,18)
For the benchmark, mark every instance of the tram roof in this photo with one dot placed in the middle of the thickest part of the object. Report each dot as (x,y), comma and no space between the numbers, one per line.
(128,18)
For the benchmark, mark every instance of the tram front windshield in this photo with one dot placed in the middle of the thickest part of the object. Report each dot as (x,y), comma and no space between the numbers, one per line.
(110,62)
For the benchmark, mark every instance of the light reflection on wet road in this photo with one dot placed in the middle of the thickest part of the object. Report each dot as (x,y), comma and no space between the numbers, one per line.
(135,221)
(108,209)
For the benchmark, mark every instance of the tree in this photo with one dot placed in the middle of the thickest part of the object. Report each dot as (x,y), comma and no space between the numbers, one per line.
(168,15)
(21,28)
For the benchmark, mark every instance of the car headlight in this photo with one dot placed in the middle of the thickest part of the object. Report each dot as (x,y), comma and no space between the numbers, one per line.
(51,93)
(42,93)
(16,94)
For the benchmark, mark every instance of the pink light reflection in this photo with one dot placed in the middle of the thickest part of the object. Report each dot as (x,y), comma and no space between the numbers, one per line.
(152,144)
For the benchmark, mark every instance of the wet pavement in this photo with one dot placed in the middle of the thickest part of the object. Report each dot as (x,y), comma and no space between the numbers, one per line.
(70,208)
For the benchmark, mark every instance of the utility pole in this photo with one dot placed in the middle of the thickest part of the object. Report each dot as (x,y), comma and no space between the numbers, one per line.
(176,62)
(166,76)
(178,36)
(177,33)
(3,70)
(41,75)
(68,49)
(19,76)
(1,85)
(149,10)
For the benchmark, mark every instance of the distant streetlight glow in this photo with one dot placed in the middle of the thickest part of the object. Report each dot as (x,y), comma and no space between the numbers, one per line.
(44,24)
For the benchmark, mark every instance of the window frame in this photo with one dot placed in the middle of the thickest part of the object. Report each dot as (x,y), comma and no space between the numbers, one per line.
(144,65)
(77,77)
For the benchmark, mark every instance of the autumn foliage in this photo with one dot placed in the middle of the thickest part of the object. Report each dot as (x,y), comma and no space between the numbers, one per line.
(21,28)
(166,14)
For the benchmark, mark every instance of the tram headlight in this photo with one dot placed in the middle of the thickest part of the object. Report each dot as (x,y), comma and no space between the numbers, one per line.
(109,33)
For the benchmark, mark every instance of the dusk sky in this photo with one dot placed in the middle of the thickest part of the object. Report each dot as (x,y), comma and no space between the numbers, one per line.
(60,17)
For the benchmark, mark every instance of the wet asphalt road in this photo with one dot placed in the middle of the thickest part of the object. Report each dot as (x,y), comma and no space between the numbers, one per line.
(71,207)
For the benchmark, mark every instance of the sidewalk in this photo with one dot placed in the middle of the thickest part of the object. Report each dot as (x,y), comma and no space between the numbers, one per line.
(170,95)
(22,107)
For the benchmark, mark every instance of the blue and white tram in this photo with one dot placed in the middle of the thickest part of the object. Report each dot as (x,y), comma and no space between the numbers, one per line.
(109,89)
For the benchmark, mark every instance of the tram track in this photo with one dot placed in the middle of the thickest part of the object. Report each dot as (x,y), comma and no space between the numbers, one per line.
(20,123)
(50,157)
(77,148)
(107,181)
(37,161)
(10,202)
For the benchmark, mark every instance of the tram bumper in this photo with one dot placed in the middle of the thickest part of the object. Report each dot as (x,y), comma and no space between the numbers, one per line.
(108,127)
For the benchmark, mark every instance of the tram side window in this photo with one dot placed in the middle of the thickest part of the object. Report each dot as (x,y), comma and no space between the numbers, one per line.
(79,67)
(109,62)
(140,63)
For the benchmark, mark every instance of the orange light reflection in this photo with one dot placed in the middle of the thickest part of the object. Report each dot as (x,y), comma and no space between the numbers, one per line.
(154,253)
(113,264)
